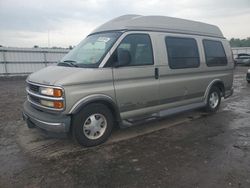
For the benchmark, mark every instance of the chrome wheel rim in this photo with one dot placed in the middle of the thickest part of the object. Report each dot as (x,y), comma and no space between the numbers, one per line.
(95,126)
(214,100)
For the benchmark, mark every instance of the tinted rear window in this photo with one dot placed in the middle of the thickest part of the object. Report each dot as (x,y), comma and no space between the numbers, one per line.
(215,53)
(182,53)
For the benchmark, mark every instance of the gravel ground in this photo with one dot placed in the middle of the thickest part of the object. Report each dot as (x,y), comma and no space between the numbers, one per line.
(211,151)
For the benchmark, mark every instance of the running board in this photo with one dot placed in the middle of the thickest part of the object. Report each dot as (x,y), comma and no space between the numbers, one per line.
(159,115)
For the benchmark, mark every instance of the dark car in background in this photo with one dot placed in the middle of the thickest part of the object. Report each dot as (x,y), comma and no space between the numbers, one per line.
(243,59)
(248,76)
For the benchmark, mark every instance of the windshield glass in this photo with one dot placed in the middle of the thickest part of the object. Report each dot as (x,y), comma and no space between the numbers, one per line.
(91,51)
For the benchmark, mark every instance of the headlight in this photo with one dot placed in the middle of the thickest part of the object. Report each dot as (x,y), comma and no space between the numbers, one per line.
(248,70)
(52,104)
(51,91)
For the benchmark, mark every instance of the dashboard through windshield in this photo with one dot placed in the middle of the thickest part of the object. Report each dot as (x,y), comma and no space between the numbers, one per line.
(90,52)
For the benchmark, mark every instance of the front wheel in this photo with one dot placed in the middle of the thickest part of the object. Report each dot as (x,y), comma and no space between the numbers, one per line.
(92,125)
(213,100)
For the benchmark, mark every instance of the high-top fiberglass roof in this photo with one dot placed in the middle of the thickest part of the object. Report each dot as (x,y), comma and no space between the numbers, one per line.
(159,23)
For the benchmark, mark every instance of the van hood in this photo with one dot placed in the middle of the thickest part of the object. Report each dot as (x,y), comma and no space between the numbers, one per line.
(60,76)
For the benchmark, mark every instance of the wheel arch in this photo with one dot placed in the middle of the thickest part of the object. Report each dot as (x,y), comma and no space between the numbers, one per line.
(217,83)
(98,98)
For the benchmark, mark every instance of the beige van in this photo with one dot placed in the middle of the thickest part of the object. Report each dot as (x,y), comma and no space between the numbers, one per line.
(130,68)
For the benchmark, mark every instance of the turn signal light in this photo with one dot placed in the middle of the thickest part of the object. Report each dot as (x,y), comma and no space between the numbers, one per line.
(57,92)
(58,104)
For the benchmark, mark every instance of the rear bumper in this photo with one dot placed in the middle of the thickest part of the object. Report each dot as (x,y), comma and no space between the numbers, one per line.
(228,93)
(49,122)
(248,77)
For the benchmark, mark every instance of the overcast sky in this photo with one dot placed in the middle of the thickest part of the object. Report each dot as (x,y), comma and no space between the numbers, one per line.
(25,23)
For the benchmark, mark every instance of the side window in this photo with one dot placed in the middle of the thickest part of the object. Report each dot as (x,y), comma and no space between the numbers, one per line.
(214,52)
(182,52)
(134,50)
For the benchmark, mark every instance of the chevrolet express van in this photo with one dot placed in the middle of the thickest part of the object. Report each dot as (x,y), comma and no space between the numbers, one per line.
(128,68)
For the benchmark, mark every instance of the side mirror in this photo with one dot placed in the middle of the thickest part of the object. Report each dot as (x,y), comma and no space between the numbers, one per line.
(123,57)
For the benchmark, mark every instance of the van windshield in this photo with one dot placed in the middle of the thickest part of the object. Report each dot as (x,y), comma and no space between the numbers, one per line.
(90,52)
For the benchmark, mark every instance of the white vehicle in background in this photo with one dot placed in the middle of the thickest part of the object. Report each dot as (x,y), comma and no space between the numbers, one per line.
(243,59)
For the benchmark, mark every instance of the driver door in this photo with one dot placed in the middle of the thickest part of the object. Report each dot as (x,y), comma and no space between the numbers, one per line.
(135,82)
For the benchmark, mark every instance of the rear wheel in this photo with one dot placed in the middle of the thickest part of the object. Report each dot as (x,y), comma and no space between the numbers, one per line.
(213,100)
(92,125)
(248,81)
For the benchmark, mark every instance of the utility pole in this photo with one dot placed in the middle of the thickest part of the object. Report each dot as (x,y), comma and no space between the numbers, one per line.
(48,40)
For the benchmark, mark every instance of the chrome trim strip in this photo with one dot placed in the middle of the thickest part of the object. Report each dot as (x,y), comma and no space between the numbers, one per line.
(44,107)
(43,96)
(43,85)
(47,123)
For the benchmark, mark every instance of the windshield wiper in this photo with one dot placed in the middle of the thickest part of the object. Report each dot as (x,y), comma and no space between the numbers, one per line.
(72,63)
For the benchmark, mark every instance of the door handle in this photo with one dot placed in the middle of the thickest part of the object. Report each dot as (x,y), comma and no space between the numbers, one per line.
(156,73)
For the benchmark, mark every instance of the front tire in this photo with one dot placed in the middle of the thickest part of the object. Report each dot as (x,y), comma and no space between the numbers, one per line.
(92,125)
(213,100)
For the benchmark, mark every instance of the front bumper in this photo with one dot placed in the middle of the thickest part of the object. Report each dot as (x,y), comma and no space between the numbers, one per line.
(49,122)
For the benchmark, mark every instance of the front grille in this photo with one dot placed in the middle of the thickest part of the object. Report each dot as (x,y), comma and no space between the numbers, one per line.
(34,88)
(248,75)
(34,99)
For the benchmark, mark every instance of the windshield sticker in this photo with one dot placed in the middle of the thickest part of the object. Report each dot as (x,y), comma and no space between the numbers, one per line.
(103,39)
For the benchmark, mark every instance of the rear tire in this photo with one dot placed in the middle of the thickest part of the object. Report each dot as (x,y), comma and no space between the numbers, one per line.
(92,125)
(213,100)
(248,81)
